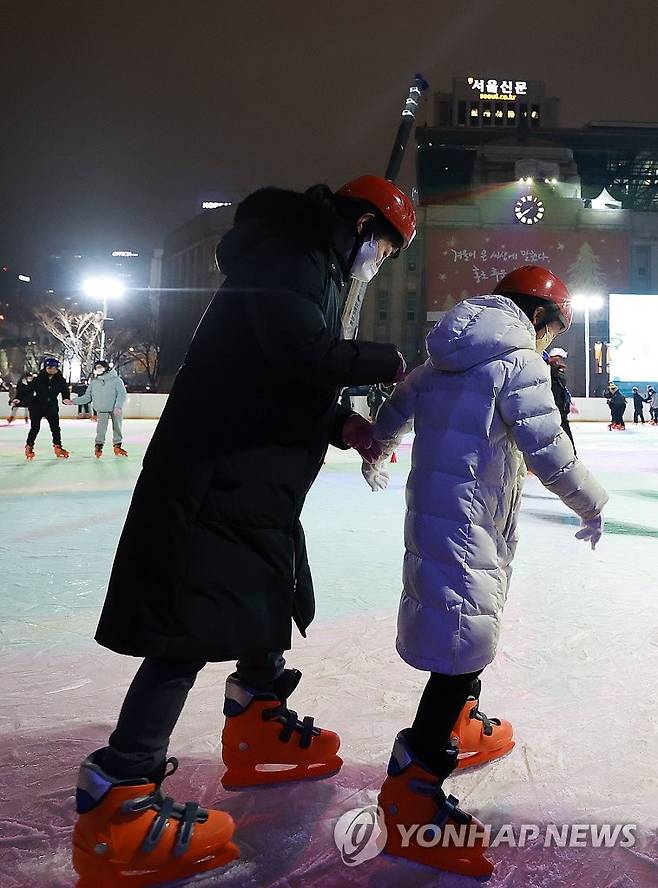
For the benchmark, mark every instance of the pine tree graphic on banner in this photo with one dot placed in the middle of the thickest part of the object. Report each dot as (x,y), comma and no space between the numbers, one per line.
(585,275)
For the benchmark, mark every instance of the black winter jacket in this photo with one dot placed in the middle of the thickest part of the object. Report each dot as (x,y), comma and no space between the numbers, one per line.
(212,560)
(45,390)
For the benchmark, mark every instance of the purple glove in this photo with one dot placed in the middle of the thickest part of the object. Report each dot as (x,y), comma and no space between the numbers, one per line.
(402,369)
(357,433)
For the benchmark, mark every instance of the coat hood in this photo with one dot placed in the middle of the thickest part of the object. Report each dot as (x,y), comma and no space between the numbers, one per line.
(478,330)
(309,219)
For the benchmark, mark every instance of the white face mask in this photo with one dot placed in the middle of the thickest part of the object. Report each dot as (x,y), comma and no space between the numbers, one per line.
(365,266)
(98,371)
(545,341)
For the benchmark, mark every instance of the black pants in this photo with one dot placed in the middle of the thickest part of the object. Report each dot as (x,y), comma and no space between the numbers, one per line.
(638,415)
(53,421)
(442,701)
(618,417)
(153,704)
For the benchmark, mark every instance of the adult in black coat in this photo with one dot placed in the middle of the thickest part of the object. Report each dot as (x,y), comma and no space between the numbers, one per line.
(638,405)
(22,396)
(212,563)
(48,386)
(617,404)
(561,394)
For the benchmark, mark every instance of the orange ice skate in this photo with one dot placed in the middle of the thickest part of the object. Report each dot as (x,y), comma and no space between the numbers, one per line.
(450,839)
(264,742)
(480,739)
(129,834)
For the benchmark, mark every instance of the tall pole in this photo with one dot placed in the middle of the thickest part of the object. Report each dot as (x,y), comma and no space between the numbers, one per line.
(587,351)
(102,358)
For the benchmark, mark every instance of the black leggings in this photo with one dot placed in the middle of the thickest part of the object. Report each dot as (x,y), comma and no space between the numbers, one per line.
(442,701)
(153,704)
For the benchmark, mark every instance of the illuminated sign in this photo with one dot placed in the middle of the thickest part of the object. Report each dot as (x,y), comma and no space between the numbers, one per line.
(498,91)
(214,204)
(25,278)
(123,253)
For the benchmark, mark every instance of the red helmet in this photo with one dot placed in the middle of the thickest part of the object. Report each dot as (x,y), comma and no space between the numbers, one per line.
(393,204)
(533,280)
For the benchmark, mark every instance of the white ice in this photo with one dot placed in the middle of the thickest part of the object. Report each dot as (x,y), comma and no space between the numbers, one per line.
(576,672)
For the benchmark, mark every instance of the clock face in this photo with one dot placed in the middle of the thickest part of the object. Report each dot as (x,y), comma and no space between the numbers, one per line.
(529,209)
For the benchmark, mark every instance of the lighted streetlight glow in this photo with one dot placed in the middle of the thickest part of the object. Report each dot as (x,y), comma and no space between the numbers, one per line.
(587,302)
(25,278)
(103,288)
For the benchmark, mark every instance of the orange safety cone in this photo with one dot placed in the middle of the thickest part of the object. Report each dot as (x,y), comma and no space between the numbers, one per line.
(394,458)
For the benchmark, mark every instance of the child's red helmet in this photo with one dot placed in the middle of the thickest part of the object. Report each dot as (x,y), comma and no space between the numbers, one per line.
(392,203)
(533,280)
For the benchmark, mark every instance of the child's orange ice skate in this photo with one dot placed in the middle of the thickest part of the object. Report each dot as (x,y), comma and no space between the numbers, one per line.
(412,796)
(480,739)
(264,743)
(129,834)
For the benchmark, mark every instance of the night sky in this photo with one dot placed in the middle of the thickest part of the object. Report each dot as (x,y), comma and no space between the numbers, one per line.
(118,117)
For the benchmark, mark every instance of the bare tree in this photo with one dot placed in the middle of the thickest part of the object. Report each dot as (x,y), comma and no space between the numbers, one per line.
(77,332)
(138,346)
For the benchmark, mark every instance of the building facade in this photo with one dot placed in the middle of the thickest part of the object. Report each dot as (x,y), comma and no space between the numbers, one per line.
(189,279)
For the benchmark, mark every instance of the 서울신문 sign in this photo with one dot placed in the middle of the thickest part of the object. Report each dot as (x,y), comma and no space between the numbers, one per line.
(498,90)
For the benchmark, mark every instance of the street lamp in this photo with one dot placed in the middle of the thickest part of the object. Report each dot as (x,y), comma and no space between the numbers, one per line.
(586,303)
(103,288)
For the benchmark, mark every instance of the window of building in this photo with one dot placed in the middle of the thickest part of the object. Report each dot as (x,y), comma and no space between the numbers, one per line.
(474,114)
(382,305)
(444,114)
(534,115)
(411,306)
(487,115)
(499,115)
(461,114)
(524,109)
(511,117)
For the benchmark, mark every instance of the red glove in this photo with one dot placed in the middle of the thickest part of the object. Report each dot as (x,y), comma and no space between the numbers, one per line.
(357,433)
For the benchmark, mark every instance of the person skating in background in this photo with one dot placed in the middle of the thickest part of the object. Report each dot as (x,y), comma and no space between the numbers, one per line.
(557,358)
(638,405)
(212,562)
(377,395)
(22,397)
(79,388)
(48,385)
(617,404)
(652,400)
(482,406)
(107,393)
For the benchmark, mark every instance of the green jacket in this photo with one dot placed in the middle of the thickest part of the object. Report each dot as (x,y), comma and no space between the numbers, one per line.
(105,392)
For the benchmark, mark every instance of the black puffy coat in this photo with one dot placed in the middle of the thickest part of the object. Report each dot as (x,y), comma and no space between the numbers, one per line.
(212,560)
(24,393)
(561,393)
(46,389)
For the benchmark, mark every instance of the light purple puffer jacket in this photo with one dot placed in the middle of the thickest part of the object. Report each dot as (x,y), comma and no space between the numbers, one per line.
(481,401)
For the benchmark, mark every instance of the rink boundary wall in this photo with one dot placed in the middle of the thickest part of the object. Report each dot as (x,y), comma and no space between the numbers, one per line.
(150,406)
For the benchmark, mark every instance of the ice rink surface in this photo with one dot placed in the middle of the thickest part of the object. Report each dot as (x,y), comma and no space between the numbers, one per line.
(575,673)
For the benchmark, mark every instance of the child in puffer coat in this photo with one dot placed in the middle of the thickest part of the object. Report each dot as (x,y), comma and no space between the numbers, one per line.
(482,408)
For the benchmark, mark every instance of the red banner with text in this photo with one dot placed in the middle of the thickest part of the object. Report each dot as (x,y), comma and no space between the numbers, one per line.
(464,262)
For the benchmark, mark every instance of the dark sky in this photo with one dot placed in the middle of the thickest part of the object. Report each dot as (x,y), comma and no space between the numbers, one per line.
(117,116)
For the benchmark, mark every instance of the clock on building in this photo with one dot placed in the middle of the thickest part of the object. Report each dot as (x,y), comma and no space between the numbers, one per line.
(529,209)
